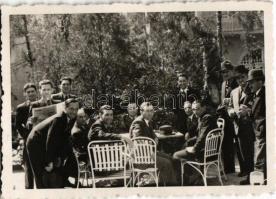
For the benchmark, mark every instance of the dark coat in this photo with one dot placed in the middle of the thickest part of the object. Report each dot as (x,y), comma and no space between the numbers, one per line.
(125,122)
(99,131)
(192,125)
(79,138)
(178,107)
(51,137)
(206,124)
(227,87)
(139,128)
(60,97)
(259,114)
(22,114)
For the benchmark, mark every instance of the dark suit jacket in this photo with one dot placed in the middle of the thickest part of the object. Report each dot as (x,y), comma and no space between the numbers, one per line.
(206,124)
(192,125)
(259,114)
(51,137)
(125,122)
(99,131)
(139,128)
(22,114)
(59,97)
(232,84)
(79,138)
(178,107)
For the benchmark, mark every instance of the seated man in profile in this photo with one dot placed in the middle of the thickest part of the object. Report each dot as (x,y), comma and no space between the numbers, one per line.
(205,125)
(103,129)
(142,127)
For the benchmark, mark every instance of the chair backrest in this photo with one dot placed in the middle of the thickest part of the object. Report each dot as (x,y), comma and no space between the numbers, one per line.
(107,155)
(221,123)
(213,144)
(144,152)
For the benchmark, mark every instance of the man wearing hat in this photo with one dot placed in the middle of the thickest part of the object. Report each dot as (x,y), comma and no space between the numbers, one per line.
(229,83)
(256,81)
(243,125)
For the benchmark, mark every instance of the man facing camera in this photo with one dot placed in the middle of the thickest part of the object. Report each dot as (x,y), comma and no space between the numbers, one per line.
(103,129)
(48,146)
(142,127)
(65,90)
(205,125)
(21,118)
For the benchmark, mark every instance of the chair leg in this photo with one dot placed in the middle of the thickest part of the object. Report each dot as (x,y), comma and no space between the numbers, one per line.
(222,167)
(182,173)
(205,175)
(219,175)
(78,179)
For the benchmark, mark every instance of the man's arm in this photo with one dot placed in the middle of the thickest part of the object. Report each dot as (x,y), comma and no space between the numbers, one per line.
(207,124)
(52,140)
(20,124)
(96,132)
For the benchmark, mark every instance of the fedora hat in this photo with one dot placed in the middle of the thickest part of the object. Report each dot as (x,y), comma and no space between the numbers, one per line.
(255,74)
(226,65)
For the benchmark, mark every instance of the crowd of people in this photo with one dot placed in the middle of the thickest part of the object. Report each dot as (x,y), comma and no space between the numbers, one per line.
(48,146)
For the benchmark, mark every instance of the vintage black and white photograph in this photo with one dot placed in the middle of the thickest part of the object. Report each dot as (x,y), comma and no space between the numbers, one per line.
(138,99)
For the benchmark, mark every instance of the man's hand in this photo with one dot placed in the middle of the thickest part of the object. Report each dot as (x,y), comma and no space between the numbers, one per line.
(231,112)
(128,141)
(49,167)
(244,110)
(187,136)
(191,149)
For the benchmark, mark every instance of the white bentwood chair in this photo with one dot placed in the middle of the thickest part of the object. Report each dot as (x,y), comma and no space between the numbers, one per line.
(84,171)
(144,159)
(212,153)
(108,160)
(221,124)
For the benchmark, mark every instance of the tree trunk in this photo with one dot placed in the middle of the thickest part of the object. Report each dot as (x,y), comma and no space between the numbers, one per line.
(29,51)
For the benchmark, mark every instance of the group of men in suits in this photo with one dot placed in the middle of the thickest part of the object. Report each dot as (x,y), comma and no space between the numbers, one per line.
(25,120)
(244,111)
(49,145)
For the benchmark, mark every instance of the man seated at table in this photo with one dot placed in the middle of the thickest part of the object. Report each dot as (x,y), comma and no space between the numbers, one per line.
(127,118)
(142,127)
(79,135)
(205,125)
(191,124)
(103,129)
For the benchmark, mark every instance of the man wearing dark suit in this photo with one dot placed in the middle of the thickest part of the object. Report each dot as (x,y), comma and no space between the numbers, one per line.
(243,124)
(64,94)
(228,85)
(79,134)
(182,94)
(48,145)
(191,124)
(45,89)
(127,118)
(22,114)
(103,129)
(142,127)
(205,125)
(256,80)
